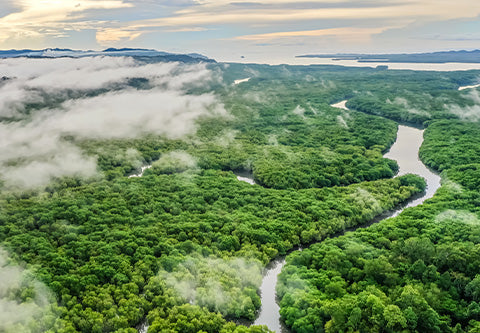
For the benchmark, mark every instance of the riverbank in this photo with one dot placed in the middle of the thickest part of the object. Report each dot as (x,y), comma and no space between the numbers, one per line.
(405,151)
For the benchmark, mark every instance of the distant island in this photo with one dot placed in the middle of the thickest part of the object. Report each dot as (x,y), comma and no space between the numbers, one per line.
(433,57)
(111,52)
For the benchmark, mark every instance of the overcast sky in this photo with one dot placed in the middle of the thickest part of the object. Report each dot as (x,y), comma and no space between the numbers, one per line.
(227,30)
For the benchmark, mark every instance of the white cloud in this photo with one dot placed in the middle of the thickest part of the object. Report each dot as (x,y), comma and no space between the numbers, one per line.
(461,216)
(223,12)
(336,25)
(351,34)
(32,148)
(51,17)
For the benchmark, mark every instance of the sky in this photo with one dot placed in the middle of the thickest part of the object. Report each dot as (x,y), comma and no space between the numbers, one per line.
(231,30)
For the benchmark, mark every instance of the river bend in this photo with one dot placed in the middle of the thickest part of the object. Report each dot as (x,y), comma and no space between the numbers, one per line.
(405,152)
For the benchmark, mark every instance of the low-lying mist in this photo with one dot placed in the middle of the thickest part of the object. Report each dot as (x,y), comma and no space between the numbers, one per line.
(469,113)
(224,285)
(23,300)
(36,144)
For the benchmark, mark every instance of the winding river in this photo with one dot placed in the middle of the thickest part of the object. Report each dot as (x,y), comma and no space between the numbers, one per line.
(405,152)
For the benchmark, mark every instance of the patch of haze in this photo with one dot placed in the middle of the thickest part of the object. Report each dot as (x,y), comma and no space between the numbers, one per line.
(341,121)
(197,280)
(17,315)
(132,156)
(257,97)
(31,77)
(365,199)
(252,71)
(226,138)
(272,139)
(174,161)
(469,113)
(33,151)
(404,103)
(327,84)
(328,155)
(13,98)
(272,152)
(31,156)
(312,109)
(451,185)
(285,71)
(131,113)
(461,216)
(299,111)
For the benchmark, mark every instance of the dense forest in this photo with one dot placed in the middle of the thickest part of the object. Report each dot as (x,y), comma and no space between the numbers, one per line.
(182,247)
(417,272)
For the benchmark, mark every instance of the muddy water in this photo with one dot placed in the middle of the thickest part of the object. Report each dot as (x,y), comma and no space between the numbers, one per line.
(142,170)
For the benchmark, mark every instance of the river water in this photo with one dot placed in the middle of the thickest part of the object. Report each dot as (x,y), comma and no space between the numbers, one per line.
(245,176)
(292,60)
(405,152)
(140,173)
(241,80)
(469,87)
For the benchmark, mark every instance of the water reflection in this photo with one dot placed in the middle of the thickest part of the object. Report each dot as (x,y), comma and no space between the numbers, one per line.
(245,176)
(270,311)
(405,152)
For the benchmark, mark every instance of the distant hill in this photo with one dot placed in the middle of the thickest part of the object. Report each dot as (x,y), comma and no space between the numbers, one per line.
(433,57)
(113,52)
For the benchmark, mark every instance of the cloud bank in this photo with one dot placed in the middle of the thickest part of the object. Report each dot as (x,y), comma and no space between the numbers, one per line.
(33,143)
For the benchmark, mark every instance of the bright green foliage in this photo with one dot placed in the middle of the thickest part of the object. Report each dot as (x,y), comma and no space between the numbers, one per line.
(417,272)
(98,246)
(451,144)
(114,250)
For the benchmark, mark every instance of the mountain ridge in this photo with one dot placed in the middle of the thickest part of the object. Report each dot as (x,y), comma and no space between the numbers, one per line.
(113,52)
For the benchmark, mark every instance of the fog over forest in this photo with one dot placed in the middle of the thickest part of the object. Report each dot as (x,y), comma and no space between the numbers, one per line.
(90,98)
(140,194)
